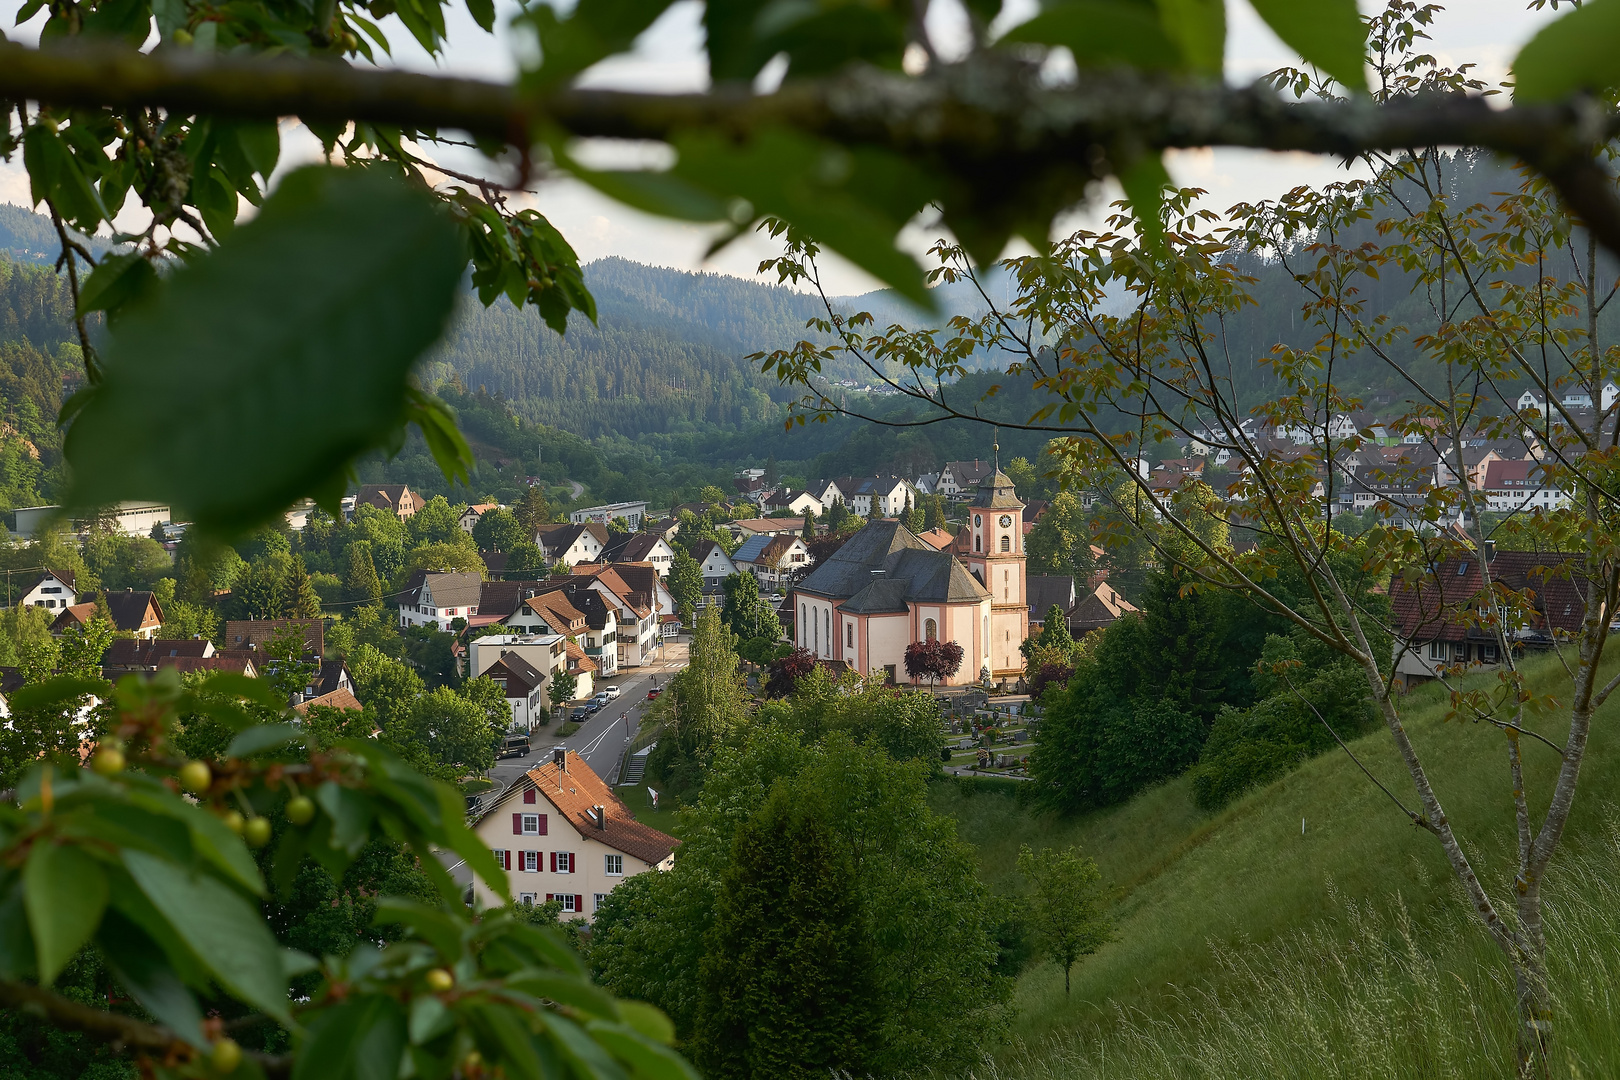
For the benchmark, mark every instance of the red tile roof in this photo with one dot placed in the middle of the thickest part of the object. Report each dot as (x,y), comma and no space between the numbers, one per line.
(577,790)
(1438,608)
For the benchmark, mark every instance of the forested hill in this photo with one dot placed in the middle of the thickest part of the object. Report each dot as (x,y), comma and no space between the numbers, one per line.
(666,354)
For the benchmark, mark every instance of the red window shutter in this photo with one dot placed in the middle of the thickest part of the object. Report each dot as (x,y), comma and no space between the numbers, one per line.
(542,824)
(508,855)
(553,862)
(517,824)
(579,903)
(548,898)
(528,796)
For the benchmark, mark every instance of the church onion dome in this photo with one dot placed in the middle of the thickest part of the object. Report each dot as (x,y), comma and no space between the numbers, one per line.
(996,492)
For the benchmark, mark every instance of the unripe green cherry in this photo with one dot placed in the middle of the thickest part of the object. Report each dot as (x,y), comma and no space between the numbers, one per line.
(234,821)
(225,1055)
(257,831)
(300,810)
(109,761)
(196,776)
(439,980)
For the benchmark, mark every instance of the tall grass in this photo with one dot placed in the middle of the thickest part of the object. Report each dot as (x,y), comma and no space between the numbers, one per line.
(1368,991)
(1202,902)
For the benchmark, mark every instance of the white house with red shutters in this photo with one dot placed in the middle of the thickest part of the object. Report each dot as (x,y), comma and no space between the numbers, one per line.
(561,834)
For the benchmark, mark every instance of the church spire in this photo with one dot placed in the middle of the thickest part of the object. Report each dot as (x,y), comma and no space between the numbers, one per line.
(995,445)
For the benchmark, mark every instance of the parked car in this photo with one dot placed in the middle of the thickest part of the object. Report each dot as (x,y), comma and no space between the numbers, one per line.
(591,706)
(602,698)
(513,746)
(611,691)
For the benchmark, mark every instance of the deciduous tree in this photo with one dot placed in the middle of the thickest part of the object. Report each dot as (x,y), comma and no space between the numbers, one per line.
(1065,906)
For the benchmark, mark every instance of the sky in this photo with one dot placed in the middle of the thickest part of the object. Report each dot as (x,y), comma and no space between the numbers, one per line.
(668,58)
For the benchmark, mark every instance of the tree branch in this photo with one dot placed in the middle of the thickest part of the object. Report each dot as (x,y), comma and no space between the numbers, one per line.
(990,112)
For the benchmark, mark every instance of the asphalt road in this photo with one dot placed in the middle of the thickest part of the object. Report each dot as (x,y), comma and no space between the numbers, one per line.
(602,738)
(600,741)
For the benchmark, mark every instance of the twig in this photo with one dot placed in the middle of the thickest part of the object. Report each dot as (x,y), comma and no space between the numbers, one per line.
(990,112)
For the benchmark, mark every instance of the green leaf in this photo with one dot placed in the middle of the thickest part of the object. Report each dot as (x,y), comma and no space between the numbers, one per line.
(646,1057)
(351,814)
(141,967)
(224,931)
(432,925)
(65,892)
(483,13)
(54,174)
(504,1032)
(650,1020)
(466,843)
(17,956)
(429,1019)
(587,1057)
(263,737)
(592,32)
(363,1039)
(55,692)
(300,331)
(1328,33)
(1101,32)
(209,836)
(1574,52)
(575,991)
(1198,27)
(853,201)
(444,439)
(1144,181)
(230,684)
(116,282)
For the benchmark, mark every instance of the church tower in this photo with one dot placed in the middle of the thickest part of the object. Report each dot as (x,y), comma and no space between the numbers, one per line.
(996,558)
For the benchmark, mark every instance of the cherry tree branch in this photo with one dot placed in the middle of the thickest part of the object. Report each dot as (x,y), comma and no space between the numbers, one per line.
(991,111)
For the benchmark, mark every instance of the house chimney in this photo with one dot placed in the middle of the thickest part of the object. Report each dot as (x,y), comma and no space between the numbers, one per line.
(1490,550)
(559,758)
(600,814)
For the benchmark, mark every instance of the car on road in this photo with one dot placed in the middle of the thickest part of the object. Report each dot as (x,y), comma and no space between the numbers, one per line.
(603,698)
(611,691)
(513,746)
(652,695)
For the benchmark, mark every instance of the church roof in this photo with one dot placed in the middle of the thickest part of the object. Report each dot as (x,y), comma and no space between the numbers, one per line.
(996,492)
(884,567)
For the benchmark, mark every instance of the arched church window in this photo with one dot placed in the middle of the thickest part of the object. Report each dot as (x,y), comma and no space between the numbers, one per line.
(930,629)
(977,544)
(1006,543)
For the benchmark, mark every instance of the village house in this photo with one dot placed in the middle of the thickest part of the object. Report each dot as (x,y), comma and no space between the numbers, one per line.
(794,502)
(1515,486)
(524,686)
(469,517)
(640,547)
(716,566)
(49,589)
(582,615)
(561,834)
(438,598)
(744,528)
(774,560)
(960,479)
(136,613)
(546,654)
(396,499)
(1437,622)
(572,545)
(1098,609)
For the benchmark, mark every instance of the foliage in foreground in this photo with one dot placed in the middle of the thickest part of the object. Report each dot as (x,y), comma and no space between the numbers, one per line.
(167,892)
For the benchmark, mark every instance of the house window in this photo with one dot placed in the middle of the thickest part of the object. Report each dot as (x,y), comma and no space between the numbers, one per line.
(597,900)
(1437,650)
(568,900)
(527,898)
(613,865)
(1488,653)
(503,858)
(1460,650)
(1006,543)
(531,862)
(562,862)
(531,825)
(930,629)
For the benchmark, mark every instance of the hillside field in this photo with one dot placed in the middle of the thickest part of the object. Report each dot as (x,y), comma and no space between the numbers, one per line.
(1231,930)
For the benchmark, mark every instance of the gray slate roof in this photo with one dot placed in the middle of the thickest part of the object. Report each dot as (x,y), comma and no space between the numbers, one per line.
(884,567)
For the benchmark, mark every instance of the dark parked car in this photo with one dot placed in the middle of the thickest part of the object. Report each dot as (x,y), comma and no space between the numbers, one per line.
(514,746)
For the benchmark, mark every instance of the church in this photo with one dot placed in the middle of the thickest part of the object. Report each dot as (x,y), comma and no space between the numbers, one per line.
(885,589)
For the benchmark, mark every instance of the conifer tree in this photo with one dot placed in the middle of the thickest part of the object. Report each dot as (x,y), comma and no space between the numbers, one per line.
(788,982)
(534,511)
(302,602)
(361,581)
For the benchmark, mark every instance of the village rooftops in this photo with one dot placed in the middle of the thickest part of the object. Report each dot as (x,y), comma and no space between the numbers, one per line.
(884,566)
(576,791)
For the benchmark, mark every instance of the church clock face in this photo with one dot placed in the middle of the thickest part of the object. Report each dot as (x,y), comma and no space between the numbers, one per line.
(1006,521)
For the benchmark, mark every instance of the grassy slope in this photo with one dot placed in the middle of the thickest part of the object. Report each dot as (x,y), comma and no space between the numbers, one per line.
(1184,880)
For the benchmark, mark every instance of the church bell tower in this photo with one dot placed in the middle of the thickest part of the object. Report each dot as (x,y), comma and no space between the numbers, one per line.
(996,558)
